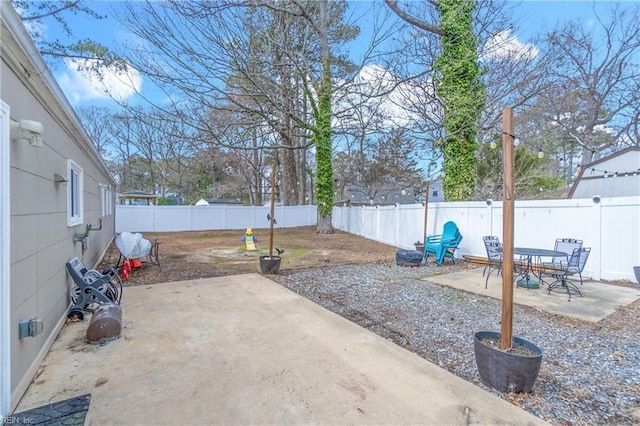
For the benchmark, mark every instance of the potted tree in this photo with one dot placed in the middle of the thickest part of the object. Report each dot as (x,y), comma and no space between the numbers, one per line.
(506,363)
(271,264)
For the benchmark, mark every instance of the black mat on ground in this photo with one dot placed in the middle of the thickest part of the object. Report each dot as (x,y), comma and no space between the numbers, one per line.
(68,412)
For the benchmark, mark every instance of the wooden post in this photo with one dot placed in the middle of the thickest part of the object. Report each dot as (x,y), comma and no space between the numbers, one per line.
(507,228)
(273,184)
(426,206)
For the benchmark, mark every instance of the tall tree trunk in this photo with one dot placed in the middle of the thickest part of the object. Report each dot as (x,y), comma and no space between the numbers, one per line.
(256,172)
(289,175)
(461,88)
(322,132)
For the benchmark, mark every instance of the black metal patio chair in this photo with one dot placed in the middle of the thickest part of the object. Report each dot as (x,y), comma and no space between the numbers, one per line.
(565,245)
(575,265)
(494,256)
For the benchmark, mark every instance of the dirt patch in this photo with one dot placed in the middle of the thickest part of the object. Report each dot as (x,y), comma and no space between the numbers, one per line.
(205,254)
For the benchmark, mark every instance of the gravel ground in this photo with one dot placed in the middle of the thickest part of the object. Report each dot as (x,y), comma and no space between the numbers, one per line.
(590,372)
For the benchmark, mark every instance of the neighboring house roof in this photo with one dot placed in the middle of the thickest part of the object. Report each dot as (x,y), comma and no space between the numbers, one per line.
(357,194)
(617,175)
(436,191)
(139,195)
(209,201)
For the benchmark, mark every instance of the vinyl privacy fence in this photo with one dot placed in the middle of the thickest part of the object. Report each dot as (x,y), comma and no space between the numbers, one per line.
(202,218)
(610,226)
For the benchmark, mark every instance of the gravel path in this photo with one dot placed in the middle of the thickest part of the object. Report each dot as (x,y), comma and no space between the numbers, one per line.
(590,372)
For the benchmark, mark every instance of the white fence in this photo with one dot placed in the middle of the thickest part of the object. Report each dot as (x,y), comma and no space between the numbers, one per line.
(202,218)
(610,227)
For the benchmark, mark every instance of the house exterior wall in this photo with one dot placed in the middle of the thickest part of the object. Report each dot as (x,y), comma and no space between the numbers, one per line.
(41,242)
(615,176)
(5,258)
(610,187)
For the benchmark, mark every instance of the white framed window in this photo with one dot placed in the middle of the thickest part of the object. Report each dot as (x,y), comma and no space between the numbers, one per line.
(103,199)
(109,201)
(105,196)
(75,194)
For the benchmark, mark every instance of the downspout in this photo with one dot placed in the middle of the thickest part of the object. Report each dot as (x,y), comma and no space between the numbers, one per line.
(5,265)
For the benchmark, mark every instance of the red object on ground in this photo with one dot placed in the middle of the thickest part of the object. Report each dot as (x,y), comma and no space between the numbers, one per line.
(136,263)
(126,268)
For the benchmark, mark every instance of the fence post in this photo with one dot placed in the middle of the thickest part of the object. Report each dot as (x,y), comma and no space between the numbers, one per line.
(309,214)
(396,240)
(596,220)
(377,223)
(490,213)
(153,216)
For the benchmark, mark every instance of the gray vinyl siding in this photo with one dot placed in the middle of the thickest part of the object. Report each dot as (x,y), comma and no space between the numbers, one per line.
(626,184)
(41,242)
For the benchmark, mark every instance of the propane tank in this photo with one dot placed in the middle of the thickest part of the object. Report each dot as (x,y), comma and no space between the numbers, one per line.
(105,324)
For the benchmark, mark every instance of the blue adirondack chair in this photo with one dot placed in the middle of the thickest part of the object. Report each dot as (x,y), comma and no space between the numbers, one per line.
(443,245)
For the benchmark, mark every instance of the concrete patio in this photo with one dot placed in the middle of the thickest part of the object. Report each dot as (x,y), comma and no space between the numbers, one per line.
(598,299)
(245,350)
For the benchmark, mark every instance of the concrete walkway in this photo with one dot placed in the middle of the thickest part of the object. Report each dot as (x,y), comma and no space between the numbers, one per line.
(598,299)
(244,350)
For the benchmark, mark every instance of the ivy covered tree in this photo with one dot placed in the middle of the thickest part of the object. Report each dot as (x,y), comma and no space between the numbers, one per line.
(459,85)
(270,64)
(321,132)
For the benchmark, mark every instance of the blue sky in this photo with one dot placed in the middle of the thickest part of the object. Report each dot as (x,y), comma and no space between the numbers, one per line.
(532,17)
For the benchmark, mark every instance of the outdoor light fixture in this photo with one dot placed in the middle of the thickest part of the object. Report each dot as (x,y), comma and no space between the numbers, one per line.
(27,131)
(516,142)
(58,178)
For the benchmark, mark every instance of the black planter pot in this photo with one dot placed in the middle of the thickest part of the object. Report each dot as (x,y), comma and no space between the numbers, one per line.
(506,371)
(270,264)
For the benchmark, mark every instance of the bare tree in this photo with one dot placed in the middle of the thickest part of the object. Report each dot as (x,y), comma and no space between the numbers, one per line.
(96,121)
(595,94)
(38,14)
(270,63)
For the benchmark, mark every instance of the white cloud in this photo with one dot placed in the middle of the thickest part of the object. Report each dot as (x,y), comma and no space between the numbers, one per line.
(82,83)
(380,97)
(504,45)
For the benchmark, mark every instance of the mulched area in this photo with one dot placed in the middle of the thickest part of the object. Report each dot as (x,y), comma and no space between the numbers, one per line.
(590,372)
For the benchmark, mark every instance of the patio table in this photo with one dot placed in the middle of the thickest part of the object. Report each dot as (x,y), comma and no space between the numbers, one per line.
(528,254)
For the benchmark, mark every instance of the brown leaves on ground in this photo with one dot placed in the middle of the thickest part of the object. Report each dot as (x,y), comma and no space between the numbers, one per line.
(205,254)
